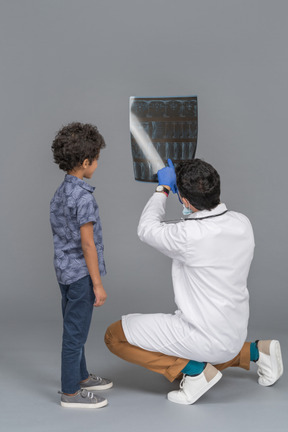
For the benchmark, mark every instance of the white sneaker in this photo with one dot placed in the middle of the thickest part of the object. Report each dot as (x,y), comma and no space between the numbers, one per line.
(270,365)
(193,387)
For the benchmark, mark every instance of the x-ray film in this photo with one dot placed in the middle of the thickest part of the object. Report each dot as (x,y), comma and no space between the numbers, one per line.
(161,129)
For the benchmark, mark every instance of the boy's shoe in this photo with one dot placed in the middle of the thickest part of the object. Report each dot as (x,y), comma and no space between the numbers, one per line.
(270,365)
(83,399)
(193,387)
(96,383)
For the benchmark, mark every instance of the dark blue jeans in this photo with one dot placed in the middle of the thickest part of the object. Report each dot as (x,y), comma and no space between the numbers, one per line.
(77,307)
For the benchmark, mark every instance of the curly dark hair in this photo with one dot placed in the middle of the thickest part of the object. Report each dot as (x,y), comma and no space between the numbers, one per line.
(199,183)
(76,142)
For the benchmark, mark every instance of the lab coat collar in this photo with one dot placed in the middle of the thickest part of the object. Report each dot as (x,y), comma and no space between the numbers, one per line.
(204,213)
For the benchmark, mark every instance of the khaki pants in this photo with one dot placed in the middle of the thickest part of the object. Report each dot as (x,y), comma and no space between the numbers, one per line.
(168,366)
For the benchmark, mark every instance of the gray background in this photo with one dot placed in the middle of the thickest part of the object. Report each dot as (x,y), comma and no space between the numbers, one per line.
(63,61)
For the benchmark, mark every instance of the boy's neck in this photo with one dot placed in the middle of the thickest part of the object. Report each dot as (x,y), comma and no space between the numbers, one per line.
(76,173)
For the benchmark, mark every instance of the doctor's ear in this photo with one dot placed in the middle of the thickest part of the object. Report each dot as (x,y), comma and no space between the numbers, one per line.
(185,202)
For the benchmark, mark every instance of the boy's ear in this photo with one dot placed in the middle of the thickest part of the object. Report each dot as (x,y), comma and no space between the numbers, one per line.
(85,163)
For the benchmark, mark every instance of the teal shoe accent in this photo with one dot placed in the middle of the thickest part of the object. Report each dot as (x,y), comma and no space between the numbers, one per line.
(193,368)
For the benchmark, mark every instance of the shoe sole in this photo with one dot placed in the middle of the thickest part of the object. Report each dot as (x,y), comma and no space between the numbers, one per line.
(276,361)
(81,405)
(200,393)
(99,387)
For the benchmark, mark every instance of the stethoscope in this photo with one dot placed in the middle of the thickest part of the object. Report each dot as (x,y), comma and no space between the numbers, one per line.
(193,219)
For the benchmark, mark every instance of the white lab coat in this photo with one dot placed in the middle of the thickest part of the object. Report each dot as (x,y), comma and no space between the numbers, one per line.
(211,260)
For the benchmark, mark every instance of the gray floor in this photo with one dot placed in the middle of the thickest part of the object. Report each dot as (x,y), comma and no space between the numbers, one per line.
(30,364)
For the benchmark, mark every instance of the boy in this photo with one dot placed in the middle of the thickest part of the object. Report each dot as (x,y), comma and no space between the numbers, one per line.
(78,258)
(211,251)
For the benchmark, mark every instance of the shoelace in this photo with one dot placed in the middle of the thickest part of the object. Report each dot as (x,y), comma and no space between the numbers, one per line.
(95,377)
(263,371)
(84,393)
(182,382)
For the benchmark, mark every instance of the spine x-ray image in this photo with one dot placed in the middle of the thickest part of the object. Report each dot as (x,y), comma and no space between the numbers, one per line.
(160,129)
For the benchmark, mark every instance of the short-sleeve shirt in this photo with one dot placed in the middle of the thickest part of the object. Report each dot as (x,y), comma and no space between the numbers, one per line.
(72,206)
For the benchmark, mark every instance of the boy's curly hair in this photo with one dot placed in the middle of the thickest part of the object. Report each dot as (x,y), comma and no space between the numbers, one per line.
(199,183)
(76,142)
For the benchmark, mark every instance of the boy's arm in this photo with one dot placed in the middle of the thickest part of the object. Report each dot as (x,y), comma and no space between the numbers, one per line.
(91,258)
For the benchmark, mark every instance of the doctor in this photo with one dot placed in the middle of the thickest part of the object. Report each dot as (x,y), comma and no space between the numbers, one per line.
(211,251)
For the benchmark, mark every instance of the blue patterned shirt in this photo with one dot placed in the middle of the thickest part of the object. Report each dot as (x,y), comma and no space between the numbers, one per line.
(72,206)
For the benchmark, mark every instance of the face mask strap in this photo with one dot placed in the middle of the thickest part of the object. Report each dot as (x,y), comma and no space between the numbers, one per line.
(181,202)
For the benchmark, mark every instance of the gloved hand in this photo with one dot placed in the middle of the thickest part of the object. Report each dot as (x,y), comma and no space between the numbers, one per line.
(167,176)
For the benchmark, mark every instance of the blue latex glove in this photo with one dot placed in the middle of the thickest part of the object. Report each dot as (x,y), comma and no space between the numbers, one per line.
(167,176)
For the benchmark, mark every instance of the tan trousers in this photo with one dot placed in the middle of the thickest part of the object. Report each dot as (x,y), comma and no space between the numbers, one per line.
(168,366)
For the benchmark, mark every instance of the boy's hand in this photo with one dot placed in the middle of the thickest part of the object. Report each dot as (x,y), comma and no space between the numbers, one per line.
(100,295)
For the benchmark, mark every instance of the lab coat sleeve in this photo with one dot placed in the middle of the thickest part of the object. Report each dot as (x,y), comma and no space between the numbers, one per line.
(170,239)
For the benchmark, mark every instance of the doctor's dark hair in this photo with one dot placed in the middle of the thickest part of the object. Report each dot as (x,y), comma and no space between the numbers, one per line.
(199,183)
(76,142)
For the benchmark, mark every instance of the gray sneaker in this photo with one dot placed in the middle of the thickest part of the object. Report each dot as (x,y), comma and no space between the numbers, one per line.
(96,383)
(83,399)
